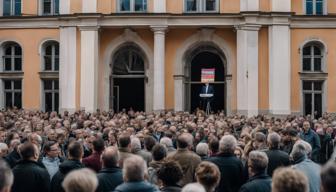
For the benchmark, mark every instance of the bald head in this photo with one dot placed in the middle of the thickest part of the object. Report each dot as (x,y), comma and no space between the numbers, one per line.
(110,157)
(184,140)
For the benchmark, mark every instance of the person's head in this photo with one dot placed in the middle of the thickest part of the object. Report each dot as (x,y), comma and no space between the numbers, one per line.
(135,144)
(259,140)
(208,175)
(51,149)
(202,149)
(159,152)
(29,151)
(80,180)
(239,152)
(257,162)
(110,157)
(306,126)
(3,149)
(328,177)
(184,141)
(300,150)
(124,141)
(6,177)
(166,141)
(273,140)
(149,143)
(98,144)
(193,187)
(214,145)
(170,173)
(227,144)
(134,169)
(36,139)
(75,150)
(288,179)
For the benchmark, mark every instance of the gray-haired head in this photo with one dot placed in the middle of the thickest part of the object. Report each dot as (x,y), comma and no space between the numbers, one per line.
(134,169)
(301,148)
(258,162)
(202,149)
(83,180)
(273,140)
(227,144)
(193,187)
(166,141)
(6,176)
(135,144)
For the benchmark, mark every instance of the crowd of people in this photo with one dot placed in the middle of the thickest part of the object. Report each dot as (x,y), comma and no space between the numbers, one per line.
(166,151)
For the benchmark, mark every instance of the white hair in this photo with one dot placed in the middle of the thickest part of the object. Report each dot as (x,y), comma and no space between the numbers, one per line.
(135,143)
(166,141)
(3,146)
(134,169)
(202,149)
(193,187)
(83,180)
(227,144)
(301,148)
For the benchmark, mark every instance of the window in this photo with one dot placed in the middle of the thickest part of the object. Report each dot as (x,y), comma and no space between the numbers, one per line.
(51,95)
(51,56)
(314,7)
(50,7)
(132,5)
(11,7)
(128,61)
(312,58)
(12,58)
(312,98)
(201,5)
(13,93)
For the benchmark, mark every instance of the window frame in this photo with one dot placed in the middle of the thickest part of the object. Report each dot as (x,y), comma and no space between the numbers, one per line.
(53,10)
(132,7)
(12,91)
(313,92)
(53,92)
(12,8)
(201,7)
(12,46)
(53,55)
(312,57)
(324,7)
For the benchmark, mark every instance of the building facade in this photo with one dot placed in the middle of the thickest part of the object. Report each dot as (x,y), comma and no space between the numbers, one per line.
(270,56)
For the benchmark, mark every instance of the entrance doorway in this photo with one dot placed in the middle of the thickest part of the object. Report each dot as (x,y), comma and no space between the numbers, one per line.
(127,82)
(205,57)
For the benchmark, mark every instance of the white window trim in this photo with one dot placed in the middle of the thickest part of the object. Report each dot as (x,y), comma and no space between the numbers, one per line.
(132,5)
(2,56)
(52,8)
(325,7)
(53,55)
(53,91)
(12,91)
(200,7)
(324,53)
(12,11)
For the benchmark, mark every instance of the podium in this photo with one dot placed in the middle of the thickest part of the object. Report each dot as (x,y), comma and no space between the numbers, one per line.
(207,97)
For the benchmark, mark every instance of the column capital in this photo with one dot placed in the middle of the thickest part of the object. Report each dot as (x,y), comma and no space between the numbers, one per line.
(89,28)
(159,28)
(248,27)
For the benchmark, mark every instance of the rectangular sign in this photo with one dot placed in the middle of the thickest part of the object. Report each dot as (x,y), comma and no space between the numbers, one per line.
(208,75)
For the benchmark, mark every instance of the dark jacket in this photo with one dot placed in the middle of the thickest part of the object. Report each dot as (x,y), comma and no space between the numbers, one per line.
(171,189)
(109,179)
(232,172)
(64,169)
(258,183)
(93,161)
(30,176)
(12,158)
(276,158)
(136,187)
(314,140)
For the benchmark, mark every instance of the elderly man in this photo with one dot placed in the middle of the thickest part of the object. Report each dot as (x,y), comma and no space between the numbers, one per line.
(283,180)
(202,149)
(124,142)
(166,141)
(83,180)
(231,168)
(299,154)
(186,157)
(313,139)
(259,180)
(276,157)
(6,176)
(111,175)
(134,172)
(136,149)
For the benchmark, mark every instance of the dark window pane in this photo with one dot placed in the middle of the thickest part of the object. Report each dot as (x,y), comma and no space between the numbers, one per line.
(56,6)
(140,5)
(18,50)
(18,64)
(48,50)
(210,5)
(309,7)
(307,85)
(318,85)
(56,105)
(8,64)
(18,100)
(47,85)
(317,64)
(318,106)
(47,63)
(8,84)
(56,64)
(307,103)
(191,5)
(17,84)
(319,8)
(8,50)
(48,101)
(306,64)
(56,49)
(56,86)
(47,7)
(17,7)
(317,50)
(8,100)
(306,50)
(7,7)
(125,5)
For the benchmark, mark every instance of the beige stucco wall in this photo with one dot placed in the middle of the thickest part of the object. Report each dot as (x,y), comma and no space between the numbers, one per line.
(29,7)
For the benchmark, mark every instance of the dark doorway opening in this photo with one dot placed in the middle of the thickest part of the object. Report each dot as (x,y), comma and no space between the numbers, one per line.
(313,98)
(206,59)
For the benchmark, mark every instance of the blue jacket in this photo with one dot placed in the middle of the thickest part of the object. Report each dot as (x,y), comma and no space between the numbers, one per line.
(311,170)
(314,140)
(136,187)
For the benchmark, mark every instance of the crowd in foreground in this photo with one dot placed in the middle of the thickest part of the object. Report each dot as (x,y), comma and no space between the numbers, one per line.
(167,151)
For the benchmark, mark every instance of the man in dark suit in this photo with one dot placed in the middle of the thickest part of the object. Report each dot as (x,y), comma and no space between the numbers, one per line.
(207,89)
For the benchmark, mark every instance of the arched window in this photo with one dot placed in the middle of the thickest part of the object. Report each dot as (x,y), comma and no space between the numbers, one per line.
(312,60)
(314,7)
(51,56)
(50,7)
(128,60)
(11,7)
(12,58)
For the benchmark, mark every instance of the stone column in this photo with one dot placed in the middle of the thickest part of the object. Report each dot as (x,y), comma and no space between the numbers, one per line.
(64,7)
(67,73)
(159,6)
(159,67)
(247,69)
(89,68)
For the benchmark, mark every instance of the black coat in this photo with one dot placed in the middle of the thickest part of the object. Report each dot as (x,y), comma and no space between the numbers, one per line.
(30,176)
(175,188)
(64,169)
(232,172)
(258,183)
(140,186)
(276,158)
(12,158)
(109,179)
